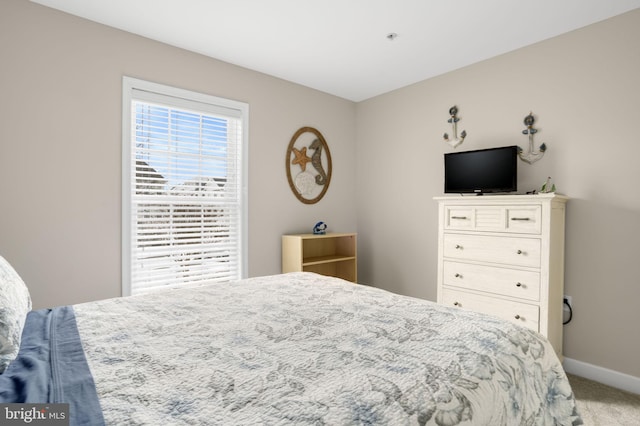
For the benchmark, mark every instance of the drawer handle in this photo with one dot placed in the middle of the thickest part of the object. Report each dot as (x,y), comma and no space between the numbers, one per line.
(520,252)
(458,247)
(517,317)
(456,304)
(520,218)
(458,275)
(459,217)
(518,284)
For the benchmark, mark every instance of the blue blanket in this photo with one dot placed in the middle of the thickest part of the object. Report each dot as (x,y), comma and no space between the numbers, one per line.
(51,367)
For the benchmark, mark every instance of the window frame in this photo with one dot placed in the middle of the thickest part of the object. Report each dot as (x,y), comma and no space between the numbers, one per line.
(129,86)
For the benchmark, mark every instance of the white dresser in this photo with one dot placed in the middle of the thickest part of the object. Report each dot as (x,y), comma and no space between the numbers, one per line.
(504,255)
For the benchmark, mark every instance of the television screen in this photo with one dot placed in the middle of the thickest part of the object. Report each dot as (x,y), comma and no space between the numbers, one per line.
(481,171)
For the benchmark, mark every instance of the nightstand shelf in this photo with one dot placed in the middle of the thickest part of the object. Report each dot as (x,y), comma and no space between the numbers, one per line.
(326,259)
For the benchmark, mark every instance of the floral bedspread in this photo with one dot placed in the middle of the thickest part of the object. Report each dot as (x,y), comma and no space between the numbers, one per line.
(302,349)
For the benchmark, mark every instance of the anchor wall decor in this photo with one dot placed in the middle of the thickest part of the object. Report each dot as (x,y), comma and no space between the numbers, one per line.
(531,156)
(454,142)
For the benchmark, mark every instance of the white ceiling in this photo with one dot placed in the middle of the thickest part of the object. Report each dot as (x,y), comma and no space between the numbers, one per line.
(341,46)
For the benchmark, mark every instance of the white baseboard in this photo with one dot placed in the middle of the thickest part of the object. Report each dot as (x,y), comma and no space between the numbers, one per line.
(602,375)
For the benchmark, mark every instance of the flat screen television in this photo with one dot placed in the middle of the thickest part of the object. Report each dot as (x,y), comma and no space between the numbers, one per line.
(481,171)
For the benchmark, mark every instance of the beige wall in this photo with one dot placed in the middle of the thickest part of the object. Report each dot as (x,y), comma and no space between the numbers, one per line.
(60,145)
(583,88)
(60,131)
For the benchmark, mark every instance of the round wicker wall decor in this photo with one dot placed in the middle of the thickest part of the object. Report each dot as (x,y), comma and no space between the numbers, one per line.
(308,165)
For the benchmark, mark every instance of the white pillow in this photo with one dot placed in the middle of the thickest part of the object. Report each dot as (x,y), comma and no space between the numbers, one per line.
(15,303)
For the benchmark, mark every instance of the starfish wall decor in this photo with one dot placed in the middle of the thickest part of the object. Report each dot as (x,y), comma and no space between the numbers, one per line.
(301,158)
(308,184)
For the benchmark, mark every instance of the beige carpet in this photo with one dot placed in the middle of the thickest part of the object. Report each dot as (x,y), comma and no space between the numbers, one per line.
(601,405)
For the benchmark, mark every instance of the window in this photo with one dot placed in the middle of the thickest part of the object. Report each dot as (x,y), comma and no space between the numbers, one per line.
(184,192)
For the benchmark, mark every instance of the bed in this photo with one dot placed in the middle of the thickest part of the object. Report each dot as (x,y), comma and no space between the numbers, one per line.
(297,348)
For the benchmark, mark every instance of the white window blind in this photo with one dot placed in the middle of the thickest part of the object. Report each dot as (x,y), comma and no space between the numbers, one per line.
(184,215)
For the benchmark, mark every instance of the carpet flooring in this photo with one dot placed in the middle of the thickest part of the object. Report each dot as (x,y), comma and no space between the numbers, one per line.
(601,405)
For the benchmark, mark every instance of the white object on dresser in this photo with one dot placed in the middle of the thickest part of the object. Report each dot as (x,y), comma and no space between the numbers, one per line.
(504,255)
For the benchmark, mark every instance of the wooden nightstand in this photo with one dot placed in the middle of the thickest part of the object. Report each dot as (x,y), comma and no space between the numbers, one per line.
(330,254)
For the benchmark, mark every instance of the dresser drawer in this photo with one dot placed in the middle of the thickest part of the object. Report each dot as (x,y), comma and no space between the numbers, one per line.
(524,219)
(501,281)
(459,217)
(485,218)
(519,313)
(493,249)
